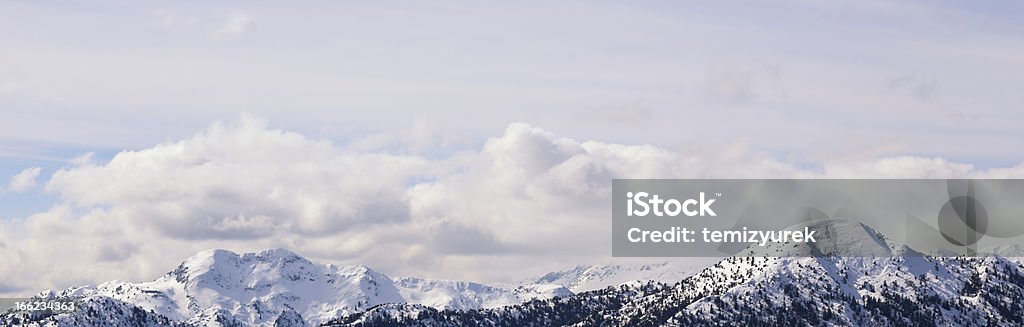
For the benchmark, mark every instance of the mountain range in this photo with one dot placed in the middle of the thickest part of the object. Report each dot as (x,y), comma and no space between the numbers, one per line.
(271,287)
(852,276)
(222,288)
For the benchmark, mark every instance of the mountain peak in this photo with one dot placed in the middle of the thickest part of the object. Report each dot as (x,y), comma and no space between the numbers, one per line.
(211,256)
(274,253)
(839,237)
(833,237)
(221,261)
(202,262)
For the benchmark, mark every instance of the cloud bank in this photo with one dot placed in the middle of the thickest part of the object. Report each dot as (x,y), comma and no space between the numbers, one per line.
(526,201)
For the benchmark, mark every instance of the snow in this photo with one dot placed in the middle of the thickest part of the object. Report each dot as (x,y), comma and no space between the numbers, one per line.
(1006,250)
(592,277)
(447,294)
(834,237)
(850,266)
(257,288)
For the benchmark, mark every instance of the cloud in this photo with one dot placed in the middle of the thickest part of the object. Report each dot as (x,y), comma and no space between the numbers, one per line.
(901,167)
(236,23)
(525,198)
(83,159)
(244,181)
(24,180)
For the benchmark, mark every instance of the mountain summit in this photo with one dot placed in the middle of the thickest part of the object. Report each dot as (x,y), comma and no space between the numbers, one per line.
(834,238)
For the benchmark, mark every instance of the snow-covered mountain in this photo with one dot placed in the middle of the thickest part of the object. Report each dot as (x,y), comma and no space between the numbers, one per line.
(1006,250)
(593,277)
(838,239)
(459,295)
(852,276)
(274,287)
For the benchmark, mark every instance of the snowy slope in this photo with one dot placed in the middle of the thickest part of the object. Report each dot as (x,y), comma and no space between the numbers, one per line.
(219,287)
(1006,250)
(834,237)
(256,288)
(592,277)
(459,295)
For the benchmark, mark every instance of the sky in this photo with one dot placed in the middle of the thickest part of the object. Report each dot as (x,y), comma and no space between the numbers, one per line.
(460,139)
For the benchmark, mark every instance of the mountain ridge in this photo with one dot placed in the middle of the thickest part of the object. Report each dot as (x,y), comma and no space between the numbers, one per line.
(855,277)
(823,288)
(220,287)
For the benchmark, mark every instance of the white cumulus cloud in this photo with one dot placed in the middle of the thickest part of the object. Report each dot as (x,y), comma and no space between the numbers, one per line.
(24,180)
